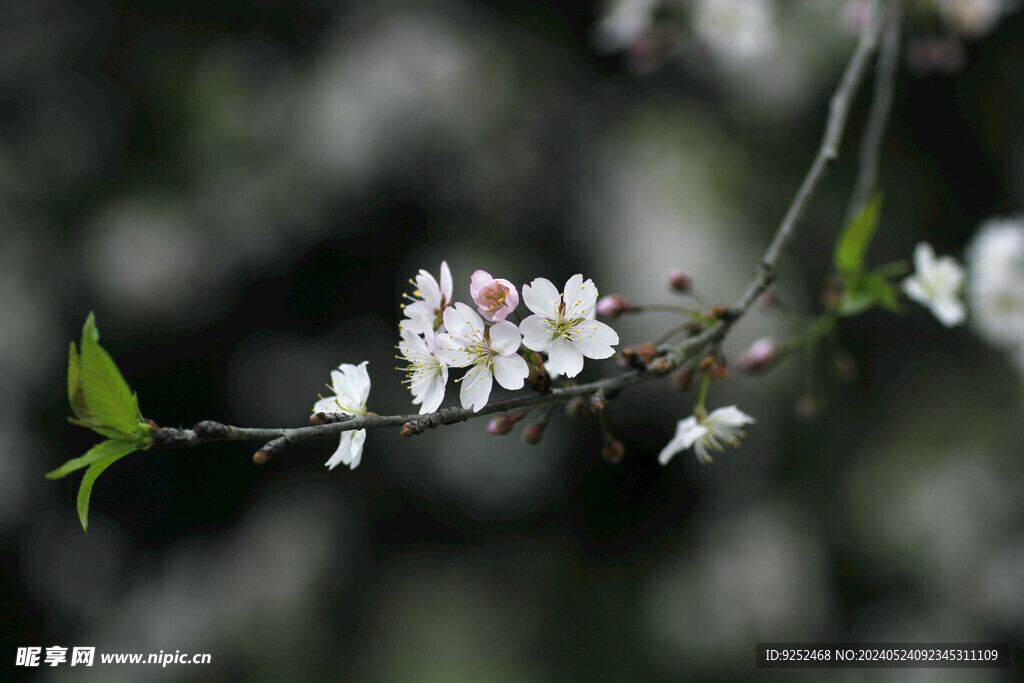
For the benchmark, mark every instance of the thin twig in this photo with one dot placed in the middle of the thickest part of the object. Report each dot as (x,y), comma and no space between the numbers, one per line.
(669,358)
(878,116)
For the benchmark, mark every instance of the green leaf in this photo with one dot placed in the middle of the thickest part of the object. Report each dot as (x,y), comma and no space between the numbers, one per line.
(101,450)
(107,395)
(73,368)
(856,237)
(91,474)
(867,291)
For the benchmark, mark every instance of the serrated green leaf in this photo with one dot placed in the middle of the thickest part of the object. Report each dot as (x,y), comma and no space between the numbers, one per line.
(101,450)
(91,474)
(107,395)
(856,237)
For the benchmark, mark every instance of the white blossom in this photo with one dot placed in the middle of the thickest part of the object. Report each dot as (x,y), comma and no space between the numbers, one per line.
(995,286)
(973,17)
(936,284)
(737,31)
(492,353)
(563,324)
(426,374)
(430,299)
(351,386)
(708,433)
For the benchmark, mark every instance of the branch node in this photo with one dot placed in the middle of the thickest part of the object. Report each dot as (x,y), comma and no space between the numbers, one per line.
(208,429)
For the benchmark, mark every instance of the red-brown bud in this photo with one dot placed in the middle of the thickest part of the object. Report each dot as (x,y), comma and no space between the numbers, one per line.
(534,432)
(678,281)
(613,452)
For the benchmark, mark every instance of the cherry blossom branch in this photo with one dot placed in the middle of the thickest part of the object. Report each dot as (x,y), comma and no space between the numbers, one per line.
(664,359)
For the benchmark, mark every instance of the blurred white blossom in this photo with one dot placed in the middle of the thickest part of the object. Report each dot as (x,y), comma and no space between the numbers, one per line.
(995,289)
(736,31)
(973,18)
(936,284)
(624,24)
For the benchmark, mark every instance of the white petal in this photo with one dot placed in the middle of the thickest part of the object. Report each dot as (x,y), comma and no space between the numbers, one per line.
(344,452)
(505,338)
(428,289)
(362,378)
(565,357)
(463,323)
(536,333)
(730,415)
(924,258)
(433,393)
(580,297)
(914,289)
(326,405)
(949,310)
(356,453)
(542,298)
(446,282)
(595,339)
(450,352)
(476,388)
(687,432)
(511,371)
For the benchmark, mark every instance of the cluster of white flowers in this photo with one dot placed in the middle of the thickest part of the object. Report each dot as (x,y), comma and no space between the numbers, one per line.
(439,334)
(995,290)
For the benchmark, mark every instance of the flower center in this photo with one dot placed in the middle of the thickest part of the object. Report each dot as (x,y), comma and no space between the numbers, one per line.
(495,295)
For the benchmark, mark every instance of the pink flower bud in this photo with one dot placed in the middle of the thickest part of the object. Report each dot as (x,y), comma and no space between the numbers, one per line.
(502,424)
(760,356)
(679,281)
(613,305)
(494,299)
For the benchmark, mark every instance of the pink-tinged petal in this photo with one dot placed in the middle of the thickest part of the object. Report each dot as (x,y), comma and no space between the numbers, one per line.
(580,297)
(536,333)
(428,290)
(477,281)
(511,371)
(542,298)
(446,282)
(463,323)
(450,352)
(505,338)
(511,300)
(476,388)
(565,357)
(595,339)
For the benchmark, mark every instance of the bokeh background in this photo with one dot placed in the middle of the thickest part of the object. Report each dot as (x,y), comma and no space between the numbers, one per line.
(241,190)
